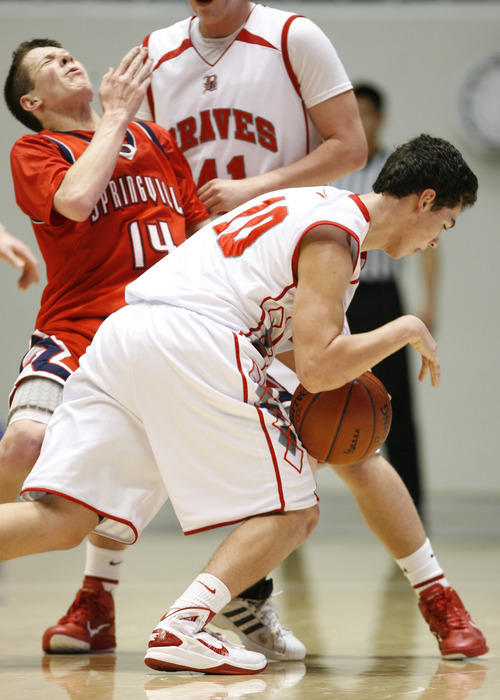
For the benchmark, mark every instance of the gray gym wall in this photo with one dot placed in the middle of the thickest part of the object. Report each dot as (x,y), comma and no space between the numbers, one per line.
(418,53)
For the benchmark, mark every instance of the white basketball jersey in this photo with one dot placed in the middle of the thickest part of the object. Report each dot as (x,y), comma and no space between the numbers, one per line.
(241,270)
(240,116)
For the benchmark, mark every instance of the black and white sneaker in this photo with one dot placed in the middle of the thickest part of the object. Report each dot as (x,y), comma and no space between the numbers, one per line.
(257,624)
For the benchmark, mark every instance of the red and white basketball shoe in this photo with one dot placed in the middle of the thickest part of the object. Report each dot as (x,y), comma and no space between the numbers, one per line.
(181,642)
(450,623)
(88,626)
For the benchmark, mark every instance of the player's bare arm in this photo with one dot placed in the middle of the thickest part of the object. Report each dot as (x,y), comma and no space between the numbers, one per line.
(326,359)
(121,92)
(343,150)
(324,272)
(19,255)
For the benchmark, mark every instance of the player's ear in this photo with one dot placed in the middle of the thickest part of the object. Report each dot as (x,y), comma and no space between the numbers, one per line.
(426,199)
(30,103)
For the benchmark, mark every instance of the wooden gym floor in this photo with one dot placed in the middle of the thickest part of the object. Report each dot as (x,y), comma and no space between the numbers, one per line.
(342,595)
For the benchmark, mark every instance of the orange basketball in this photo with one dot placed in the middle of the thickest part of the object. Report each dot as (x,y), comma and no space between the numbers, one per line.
(344,425)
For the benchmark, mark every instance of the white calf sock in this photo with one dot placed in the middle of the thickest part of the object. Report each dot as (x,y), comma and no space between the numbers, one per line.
(206,591)
(104,564)
(422,568)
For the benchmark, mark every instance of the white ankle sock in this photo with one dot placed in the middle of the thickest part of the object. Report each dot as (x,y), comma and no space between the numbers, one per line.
(105,564)
(206,591)
(422,568)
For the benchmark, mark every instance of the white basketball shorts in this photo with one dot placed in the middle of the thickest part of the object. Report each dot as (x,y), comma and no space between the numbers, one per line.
(169,404)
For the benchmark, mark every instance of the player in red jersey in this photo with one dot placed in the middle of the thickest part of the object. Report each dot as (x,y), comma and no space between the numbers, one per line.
(107,199)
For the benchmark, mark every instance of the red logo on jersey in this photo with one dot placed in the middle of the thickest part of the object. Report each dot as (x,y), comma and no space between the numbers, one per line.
(209,83)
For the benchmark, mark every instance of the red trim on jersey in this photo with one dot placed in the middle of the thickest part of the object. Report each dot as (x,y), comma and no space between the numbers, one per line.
(362,207)
(256,329)
(351,233)
(186,44)
(286,56)
(86,505)
(273,457)
(228,522)
(248,38)
(295,257)
(149,93)
(238,362)
(278,484)
(291,74)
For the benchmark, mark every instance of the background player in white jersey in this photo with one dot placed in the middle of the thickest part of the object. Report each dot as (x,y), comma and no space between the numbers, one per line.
(204,335)
(257,99)
(259,96)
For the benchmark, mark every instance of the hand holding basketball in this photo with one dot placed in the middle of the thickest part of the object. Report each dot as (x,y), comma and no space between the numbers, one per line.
(344,425)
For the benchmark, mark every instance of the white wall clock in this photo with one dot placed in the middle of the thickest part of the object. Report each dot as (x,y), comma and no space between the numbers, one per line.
(479,103)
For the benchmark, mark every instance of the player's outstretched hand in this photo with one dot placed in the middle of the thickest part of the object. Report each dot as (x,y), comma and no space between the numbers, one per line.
(19,255)
(425,344)
(124,88)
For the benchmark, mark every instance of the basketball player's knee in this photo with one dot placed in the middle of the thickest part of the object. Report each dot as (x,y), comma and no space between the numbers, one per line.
(71,536)
(313,519)
(20,447)
(359,475)
(305,522)
(33,403)
(68,523)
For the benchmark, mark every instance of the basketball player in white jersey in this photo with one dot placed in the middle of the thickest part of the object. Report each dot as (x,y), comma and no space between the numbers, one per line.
(257,99)
(202,327)
(256,93)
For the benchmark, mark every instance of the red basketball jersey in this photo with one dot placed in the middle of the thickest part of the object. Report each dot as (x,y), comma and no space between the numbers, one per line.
(142,215)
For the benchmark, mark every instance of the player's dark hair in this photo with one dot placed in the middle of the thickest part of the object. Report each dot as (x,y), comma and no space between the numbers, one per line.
(371,93)
(428,162)
(19,83)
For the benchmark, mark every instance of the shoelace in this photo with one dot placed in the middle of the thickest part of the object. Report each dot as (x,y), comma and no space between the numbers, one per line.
(84,606)
(198,627)
(221,638)
(266,612)
(446,611)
